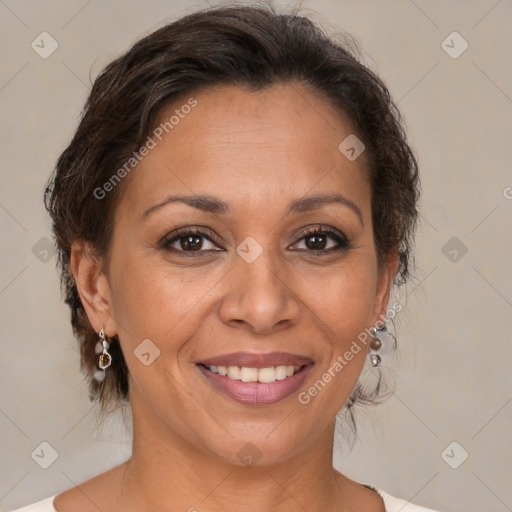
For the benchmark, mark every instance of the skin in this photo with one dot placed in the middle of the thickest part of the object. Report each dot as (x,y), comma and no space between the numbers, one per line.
(257,151)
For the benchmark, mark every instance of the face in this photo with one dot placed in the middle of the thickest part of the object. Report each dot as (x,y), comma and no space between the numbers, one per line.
(254,278)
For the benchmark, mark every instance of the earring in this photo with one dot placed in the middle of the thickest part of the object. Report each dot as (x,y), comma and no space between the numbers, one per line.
(105,359)
(375,345)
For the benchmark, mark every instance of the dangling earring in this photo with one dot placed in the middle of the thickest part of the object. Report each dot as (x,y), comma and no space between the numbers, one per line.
(105,359)
(375,345)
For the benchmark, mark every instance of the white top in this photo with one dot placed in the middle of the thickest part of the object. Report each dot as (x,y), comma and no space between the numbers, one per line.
(391,504)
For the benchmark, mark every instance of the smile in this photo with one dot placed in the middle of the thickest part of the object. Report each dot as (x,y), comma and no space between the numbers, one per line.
(246,374)
(256,379)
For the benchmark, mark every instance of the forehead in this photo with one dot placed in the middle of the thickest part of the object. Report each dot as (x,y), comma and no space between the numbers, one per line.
(249,147)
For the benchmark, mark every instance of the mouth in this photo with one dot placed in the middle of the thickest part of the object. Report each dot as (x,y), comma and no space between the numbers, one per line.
(264,375)
(256,379)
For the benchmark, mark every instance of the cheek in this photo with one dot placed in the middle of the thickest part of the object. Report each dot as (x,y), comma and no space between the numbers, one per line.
(150,301)
(343,313)
(344,310)
(345,300)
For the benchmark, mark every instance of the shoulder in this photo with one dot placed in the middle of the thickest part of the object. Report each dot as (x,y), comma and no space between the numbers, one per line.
(90,496)
(45,505)
(78,498)
(397,505)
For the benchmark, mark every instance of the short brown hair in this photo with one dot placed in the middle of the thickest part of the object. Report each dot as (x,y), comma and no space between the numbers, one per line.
(250,47)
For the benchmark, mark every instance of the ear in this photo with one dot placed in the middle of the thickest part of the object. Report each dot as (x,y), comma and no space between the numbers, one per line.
(93,287)
(384,285)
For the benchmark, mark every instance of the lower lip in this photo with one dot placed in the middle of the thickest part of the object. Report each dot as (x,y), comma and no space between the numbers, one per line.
(257,393)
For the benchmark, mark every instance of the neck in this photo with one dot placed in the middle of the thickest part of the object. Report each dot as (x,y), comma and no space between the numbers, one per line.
(169,473)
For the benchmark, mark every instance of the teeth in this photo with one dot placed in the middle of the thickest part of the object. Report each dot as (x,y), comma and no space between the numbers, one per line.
(234,372)
(248,374)
(267,374)
(280,372)
(264,375)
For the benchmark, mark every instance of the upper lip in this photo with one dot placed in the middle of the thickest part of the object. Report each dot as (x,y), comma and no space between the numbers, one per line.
(254,360)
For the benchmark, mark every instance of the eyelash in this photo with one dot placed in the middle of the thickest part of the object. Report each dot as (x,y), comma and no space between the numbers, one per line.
(342,241)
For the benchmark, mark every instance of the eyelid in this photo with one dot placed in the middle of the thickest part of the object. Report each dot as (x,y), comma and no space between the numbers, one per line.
(342,241)
(324,229)
(201,231)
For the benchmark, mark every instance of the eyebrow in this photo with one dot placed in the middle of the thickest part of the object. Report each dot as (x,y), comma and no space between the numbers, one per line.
(309,203)
(202,202)
(211,204)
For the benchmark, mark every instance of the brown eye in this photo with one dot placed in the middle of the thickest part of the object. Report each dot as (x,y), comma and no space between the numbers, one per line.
(188,241)
(192,242)
(323,240)
(316,242)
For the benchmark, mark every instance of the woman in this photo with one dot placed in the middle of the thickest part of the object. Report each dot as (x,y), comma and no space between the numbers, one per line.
(231,215)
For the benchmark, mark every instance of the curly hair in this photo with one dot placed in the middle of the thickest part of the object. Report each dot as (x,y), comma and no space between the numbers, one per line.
(251,47)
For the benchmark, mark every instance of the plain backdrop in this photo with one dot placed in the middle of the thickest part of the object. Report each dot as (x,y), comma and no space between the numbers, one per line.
(453,389)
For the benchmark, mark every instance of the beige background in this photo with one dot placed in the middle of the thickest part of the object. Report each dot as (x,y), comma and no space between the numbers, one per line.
(454,363)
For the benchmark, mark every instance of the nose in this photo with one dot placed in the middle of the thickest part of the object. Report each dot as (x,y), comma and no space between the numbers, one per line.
(259,297)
